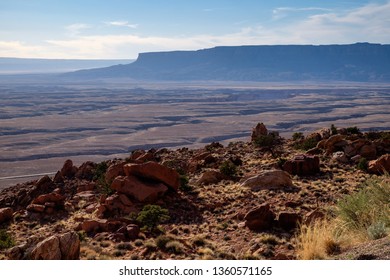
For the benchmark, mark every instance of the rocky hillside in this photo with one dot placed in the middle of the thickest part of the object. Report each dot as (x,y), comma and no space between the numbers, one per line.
(242,201)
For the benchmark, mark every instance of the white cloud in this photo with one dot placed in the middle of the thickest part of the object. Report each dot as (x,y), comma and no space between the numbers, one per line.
(282,12)
(122,23)
(76,28)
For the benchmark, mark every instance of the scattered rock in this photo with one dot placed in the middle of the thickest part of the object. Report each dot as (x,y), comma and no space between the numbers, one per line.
(68,170)
(340,157)
(333,142)
(69,246)
(289,220)
(302,165)
(132,231)
(260,218)
(140,190)
(269,179)
(379,166)
(154,171)
(210,177)
(86,170)
(258,131)
(50,197)
(5,214)
(114,171)
(36,208)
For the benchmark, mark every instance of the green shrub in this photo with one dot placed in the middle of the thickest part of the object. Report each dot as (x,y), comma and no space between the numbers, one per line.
(175,247)
(100,177)
(306,144)
(162,241)
(333,129)
(184,186)
(228,168)
(362,164)
(297,136)
(368,210)
(353,130)
(265,140)
(151,216)
(377,230)
(6,240)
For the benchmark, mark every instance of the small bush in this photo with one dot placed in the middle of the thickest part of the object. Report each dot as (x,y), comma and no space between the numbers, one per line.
(333,129)
(362,164)
(151,216)
(377,230)
(100,171)
(6,240)
(353,130)
(265,140)
(175,247)
(297,136)
(184,186)
(162,241)
(228,168)
(306,144)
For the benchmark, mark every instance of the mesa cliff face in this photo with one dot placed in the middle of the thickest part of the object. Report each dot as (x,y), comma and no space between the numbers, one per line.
(356,62)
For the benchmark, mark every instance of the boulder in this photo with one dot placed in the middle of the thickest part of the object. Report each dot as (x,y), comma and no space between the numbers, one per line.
(58,247)
(114,171)
(260,218)
(333,142)
(36,208)
(44,183)
(154,171)
(5,214)
(258,131)
(368,151)
(210,177)
(68,170)
(340,157)
(302,165)
(269,179)
(48,249)
(86,170)
(379,166)
(132,231)
(50,197)
(69,246)
(289,220)
(141,190)
(314,215)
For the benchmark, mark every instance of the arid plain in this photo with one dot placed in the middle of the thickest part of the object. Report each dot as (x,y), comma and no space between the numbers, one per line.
(44,123)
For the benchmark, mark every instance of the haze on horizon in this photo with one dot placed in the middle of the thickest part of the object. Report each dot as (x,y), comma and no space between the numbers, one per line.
(97,29)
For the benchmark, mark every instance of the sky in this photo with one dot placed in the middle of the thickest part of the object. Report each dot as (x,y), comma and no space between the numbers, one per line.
(121,29)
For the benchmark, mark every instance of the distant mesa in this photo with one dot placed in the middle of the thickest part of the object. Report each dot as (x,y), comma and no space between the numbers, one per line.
(363,62)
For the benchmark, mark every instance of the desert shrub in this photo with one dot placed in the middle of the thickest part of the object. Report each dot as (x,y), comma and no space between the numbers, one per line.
(162,241)
(377,230)
(175,247)
(100,177)
(6,240)
(265,140)
(297,136)
(184,184)
(368,208)
(333,129)
(228,168)
(306,144)
(151,216)
(124,246)
(353,130)
(362,164)
(82,235)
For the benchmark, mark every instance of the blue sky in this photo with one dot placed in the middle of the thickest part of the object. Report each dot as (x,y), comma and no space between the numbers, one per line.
(97,29)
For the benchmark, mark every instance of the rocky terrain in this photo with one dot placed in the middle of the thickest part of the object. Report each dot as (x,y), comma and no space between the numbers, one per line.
(243,200)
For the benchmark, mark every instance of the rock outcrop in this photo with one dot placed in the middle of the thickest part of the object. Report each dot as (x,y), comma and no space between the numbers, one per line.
(270,179)
(302,165)
(260,218)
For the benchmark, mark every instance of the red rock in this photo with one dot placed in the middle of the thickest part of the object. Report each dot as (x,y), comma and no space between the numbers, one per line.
(260,218)
(37,208)
(269,179)
(58,178)
(154,171)
(45,182)
(302,165)
(379,166)
(210,177)
(333,141)
(132,231)
(69,246)
(87,186)
(289,220)
(86,170)
(114,171)
(368,151)
(92,225)
(68,170)
(142,191)
(50,197)
(48,249)
(316,214)
(258,131)
(146,157)
(6,214)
